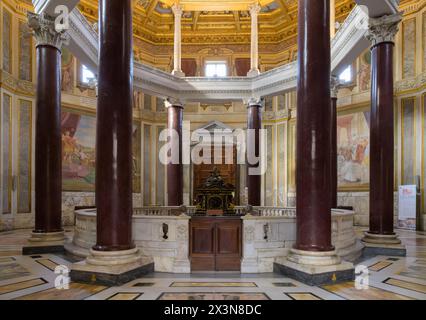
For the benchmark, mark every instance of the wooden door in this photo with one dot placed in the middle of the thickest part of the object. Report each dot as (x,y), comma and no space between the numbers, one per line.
(215,244)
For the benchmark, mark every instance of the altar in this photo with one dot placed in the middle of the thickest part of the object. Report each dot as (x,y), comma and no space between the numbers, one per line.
(215,196)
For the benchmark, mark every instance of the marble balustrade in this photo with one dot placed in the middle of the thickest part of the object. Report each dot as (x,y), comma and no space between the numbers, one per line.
(268,235)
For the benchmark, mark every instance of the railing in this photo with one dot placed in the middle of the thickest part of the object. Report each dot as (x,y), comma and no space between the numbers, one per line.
(190,210)
(158,211)
(275,212)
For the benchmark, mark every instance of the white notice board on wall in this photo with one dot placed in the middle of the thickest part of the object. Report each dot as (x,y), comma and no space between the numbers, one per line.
(407,207)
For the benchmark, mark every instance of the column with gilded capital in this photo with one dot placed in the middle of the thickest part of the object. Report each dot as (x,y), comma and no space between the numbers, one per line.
(177,53)
(334,86)
(114,259)
(254,45)
(381,238)
(48,234)
(175,168)
(254,125)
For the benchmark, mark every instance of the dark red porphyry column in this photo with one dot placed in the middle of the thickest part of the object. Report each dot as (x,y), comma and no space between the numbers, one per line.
(333,148)
(175,168)
(381,33)
(313,185)
(254,124)
(114,127)
(48,156)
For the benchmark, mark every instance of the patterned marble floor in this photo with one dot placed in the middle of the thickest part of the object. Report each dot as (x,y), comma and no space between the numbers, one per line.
(33,277)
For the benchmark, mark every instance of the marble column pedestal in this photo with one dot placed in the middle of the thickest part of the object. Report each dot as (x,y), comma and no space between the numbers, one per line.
(315,268)
(111,268)
(44,242)
(383,244)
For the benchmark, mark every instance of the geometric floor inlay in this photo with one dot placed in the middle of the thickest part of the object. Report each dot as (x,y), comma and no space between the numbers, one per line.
(349,291)
(213,296)
(76,291)
(49,264)
(125,296)
(389,278)
(406,285)
(379,266)
(213,284)
(12,270)
(284,284)
(303,296)
(7,288)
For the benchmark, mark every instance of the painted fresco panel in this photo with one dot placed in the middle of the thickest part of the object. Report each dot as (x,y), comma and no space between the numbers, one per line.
(67,70)
(78,152)
(353,149)
(365,71)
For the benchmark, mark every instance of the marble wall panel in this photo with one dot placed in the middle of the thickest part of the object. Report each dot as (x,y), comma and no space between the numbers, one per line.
(409,48)
(281,163)
(25,52)
(269,180)
(408,142)
(147,164)
(424,41)
(24,156)
(6,135)
(7,41)
(161,171)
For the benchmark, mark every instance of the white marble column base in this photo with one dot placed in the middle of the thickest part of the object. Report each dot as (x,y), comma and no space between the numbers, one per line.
(178,73)
(253,73)
(46,239)
(112,262)
(380,240)
(312,262)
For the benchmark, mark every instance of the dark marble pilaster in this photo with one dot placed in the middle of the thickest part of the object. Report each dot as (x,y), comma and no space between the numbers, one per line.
(48,232)
(313,185)
(114,127)
(175,170)
(333,148)
(381,34)
(254,123)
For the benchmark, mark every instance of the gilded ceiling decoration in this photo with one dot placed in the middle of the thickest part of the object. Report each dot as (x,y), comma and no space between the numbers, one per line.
(218,22)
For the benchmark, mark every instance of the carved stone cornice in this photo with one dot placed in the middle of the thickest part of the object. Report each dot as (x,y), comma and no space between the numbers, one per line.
(412,84)
(44,31)
(383,29)
(18,86)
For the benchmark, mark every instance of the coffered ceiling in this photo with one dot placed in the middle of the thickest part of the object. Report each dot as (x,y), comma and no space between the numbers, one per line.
(215,22)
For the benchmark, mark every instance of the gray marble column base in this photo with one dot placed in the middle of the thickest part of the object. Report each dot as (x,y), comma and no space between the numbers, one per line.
(382,245)
(111,268)
(315,268)
(42,243)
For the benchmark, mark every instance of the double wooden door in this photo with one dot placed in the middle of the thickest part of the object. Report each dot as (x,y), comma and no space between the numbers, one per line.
(215,244)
